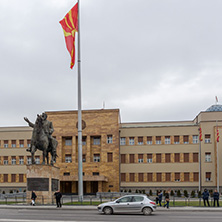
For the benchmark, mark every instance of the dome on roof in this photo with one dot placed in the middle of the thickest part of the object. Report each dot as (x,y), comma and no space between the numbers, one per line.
(215,108)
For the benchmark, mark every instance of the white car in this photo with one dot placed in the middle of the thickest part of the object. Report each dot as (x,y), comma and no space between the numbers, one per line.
(129,204)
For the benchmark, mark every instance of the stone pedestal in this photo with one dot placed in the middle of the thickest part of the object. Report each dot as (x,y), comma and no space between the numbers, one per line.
(44,180)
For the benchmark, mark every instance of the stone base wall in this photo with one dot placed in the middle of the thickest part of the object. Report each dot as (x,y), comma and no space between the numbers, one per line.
(44,180)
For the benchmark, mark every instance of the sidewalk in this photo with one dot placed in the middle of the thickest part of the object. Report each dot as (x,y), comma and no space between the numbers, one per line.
(89,207)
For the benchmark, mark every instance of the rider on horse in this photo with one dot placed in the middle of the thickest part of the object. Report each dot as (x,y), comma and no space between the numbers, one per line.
(48,130)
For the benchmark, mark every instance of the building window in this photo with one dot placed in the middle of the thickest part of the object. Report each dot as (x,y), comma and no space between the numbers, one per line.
(5,143)
(96,158)
(84,140)
(149,158)
(66,174)
(109,157)
(13,143)
(131,141)
(5,178)
(140,176)
(195,157)
(207,138)
(159,177)
(109,139)
(158,139)
(158,158)
(177,177)
(176,139)
(185,139)
(95,173)
(21,178)
(208,176)
(167,140)
(21,160)
(96,140)
(132,177)
(140,140)
(207,157)
(13,178)
(167,157)
(21,143)
(140,158)
(168,177)
(176,157)
(13,160)
(29,143)
(149,177)
(123,177)
(196,177)
(123,158)
(84,158)
(68,141)
(29,160)
(5,162)
(149,140)
(123,141)
(186,177)
(68,158)
(186,158)
(195,139)
(132,159)
(37,160)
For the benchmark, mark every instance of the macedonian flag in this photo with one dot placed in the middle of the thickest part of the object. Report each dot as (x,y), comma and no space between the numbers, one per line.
(70,27)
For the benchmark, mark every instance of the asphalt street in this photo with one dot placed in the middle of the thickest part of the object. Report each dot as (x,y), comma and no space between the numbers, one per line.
(60,215)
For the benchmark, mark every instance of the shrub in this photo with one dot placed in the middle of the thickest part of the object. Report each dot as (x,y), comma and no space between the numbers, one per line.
(193,193)
(178,193)
(171,193)
(130,191)
(151,193)
(11,191)
(3,192)
(185,193)
(199,194)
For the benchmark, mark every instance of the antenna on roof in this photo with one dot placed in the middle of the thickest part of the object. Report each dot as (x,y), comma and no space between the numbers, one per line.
(103,104)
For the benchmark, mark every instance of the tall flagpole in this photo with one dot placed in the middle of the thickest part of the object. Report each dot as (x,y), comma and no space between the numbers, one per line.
(200,172)
(218,180)
(80,176)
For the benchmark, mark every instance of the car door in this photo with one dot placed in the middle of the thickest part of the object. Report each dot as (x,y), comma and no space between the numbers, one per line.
(136,203)
(122,204)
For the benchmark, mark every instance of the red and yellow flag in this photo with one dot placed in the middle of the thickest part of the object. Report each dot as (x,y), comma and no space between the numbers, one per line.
(70,27)
(218,135)
(200,136)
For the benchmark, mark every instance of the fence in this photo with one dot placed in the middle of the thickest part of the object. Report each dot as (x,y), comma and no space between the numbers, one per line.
(96,199)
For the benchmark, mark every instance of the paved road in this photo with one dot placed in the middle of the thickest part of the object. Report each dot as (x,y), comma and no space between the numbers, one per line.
(60,215)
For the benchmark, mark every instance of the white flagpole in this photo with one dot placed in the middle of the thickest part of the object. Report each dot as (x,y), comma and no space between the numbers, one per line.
(218,181)
(80,176)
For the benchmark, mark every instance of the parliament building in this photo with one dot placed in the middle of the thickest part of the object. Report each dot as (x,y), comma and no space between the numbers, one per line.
(121,156)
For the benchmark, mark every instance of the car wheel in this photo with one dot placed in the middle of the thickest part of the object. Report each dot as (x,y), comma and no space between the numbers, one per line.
(147,211)
(107,210)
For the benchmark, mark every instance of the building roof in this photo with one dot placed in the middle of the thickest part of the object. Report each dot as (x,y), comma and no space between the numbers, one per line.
(215,108)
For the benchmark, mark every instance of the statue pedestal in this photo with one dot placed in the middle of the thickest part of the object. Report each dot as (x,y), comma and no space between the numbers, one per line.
(44,180)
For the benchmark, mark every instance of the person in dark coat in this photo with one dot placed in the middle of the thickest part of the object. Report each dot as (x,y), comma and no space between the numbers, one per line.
(205,196)
(33,197)
(167,199)
(58,197)
(216,197)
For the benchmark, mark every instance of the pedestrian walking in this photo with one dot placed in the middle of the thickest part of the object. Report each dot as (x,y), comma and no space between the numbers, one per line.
(157,198)
(58,197)
(33,197)
(205,196)
(216,197)
(160,196)
(167,199)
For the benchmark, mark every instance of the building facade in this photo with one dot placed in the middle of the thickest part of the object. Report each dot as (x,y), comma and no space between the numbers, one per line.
(121,156)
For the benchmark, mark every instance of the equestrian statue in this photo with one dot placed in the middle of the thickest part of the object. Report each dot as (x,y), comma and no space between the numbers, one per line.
(42,138)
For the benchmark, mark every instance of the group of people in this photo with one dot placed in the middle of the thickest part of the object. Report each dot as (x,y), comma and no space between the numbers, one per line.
(205,196)
(216,196)
(57,195)
(159,199)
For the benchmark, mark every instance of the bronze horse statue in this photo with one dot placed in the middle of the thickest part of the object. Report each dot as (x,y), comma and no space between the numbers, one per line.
(40,140)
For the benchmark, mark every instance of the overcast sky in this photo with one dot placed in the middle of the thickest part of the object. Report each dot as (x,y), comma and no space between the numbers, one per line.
(155,60)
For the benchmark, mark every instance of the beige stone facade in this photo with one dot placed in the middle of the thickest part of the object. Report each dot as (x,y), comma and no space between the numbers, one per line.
(121,156)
